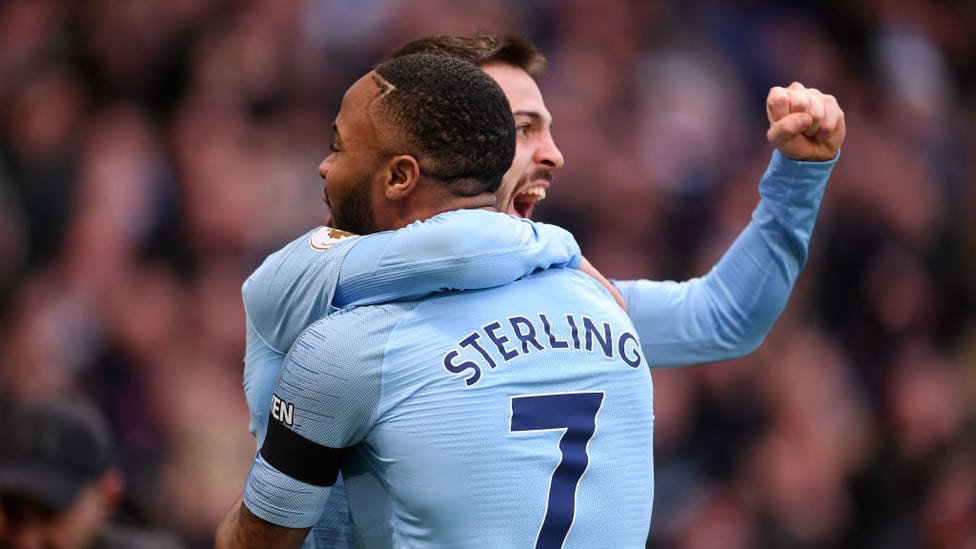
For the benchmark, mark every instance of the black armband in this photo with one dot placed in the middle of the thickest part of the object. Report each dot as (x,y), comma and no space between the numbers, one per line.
(300,458)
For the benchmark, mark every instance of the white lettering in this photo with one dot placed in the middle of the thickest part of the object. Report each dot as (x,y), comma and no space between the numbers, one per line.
(282,411)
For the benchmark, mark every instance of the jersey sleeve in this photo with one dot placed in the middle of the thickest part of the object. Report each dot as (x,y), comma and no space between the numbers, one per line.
(728,312)
(294,286)
(261,366)
(457,250)
(324,402)
(282,500)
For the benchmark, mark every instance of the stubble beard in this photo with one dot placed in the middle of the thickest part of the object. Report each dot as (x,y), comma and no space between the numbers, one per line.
(356,214)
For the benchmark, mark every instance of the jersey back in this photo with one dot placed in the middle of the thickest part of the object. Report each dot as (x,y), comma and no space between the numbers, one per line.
(512,417)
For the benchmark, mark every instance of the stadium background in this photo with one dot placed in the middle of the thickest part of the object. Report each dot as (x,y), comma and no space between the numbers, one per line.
(153,152)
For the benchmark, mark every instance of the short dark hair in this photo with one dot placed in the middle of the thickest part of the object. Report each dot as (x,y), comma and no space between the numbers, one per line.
(481,49)
(452,116)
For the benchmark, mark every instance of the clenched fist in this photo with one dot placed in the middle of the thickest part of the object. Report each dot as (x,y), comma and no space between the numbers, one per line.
(804,124)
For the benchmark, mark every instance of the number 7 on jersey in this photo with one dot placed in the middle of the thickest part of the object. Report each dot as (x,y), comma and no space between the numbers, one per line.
(574,414)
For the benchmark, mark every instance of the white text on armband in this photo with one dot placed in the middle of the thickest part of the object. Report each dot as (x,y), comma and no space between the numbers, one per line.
(282,411)
(502,341)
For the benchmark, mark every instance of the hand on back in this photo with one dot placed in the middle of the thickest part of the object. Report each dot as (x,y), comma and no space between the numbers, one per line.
(589,269)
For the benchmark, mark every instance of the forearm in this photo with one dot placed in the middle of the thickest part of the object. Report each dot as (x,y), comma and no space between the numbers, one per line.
(455,250)
(241,529)
(791,193)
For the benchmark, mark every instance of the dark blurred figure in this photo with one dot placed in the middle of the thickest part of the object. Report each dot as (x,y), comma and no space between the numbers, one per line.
(59,486)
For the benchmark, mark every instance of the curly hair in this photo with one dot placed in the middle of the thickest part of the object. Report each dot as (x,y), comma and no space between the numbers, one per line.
(481,48)
(451,116)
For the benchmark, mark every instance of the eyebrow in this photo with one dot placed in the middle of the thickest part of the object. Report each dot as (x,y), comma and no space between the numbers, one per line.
(534,115)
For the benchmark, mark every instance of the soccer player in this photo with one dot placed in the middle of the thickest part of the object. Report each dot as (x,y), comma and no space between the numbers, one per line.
(449,412)
(720,316)
(299,284)
(405,137)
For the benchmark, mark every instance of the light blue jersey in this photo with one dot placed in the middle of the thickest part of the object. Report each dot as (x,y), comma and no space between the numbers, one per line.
(298,284)
(720,316)
(518,416)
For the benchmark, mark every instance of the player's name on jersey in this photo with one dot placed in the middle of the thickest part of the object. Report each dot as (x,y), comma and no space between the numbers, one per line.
(501,341)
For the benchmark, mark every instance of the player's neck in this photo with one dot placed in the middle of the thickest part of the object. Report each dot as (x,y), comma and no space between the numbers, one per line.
(421,210)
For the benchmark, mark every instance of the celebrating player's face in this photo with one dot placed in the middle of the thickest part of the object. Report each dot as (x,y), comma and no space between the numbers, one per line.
(354,163)
(536,154)
(350,169)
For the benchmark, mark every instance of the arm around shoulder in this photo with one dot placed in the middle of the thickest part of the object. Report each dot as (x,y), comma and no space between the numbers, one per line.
(461,249)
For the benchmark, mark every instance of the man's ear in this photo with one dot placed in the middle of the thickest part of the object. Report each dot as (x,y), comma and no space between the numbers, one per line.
(404,173)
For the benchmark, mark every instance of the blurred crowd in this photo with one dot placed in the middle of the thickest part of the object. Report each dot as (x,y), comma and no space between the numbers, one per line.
(153,152)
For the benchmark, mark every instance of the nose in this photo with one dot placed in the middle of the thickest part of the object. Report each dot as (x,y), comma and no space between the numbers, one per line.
(548,153)
(324,166)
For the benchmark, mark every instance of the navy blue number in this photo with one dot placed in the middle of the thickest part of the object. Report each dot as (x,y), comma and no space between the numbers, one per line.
(575,413)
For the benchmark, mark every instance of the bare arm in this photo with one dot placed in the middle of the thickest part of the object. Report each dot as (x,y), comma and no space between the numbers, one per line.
(241,529)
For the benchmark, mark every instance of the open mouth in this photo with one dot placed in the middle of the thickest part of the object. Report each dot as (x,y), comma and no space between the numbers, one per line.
(525,201)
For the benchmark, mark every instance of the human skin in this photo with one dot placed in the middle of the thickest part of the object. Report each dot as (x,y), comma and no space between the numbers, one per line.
(370,186)
(536,156)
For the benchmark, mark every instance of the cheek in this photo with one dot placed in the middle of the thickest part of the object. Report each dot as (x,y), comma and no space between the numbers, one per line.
(520,165)
(504,196)
(338,181)
(523,157)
